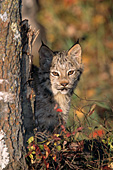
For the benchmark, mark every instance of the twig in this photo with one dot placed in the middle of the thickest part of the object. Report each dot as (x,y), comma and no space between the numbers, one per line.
(36,35)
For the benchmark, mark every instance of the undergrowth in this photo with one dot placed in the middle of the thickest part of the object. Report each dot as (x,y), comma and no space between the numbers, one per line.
(66,150)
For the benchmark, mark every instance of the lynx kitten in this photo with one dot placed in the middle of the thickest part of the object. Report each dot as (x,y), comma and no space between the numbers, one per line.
(54,83)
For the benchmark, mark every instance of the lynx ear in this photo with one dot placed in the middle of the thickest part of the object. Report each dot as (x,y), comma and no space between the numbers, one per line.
(46,56)
(75,52)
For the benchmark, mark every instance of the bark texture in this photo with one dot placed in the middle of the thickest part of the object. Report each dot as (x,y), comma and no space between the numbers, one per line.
(15,107)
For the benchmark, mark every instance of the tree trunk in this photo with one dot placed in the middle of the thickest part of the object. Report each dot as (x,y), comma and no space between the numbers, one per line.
(16,118)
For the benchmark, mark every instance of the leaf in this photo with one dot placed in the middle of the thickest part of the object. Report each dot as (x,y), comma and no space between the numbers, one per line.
(97,133)
(54,158)
(57,135)
(48,143)
(59,110)
(68,134)
(41,147)
(47,150)
(32,147)
(33,161)
(79,114)
(59,147)
(110,143)
(90,128)
(92,110)
(63,128)
(46,147)
(79,129)
(31,156)
(47,166)
(31,139)
(73,133)
(28,154)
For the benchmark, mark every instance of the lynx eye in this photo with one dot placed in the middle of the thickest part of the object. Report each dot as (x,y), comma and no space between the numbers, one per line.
(70,72)
(55,73)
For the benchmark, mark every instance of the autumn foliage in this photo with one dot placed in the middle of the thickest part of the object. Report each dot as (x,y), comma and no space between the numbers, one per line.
(64,151)
(74,147)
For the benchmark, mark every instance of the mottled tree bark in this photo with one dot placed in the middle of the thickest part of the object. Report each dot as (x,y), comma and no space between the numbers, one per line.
(16,120)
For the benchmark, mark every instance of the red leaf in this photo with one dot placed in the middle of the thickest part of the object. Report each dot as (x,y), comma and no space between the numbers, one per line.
(47,166)
(97,133)
(54,158)
(68,134)
(73,133)
(59,110)
(79,129)
(63,128)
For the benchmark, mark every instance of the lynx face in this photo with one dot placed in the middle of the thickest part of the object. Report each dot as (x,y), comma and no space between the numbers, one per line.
(64,68)
(63,75)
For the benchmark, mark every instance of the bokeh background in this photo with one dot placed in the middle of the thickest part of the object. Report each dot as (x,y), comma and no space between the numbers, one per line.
(61,23)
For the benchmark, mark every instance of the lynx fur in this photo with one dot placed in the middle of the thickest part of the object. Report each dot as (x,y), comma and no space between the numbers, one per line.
(54,83)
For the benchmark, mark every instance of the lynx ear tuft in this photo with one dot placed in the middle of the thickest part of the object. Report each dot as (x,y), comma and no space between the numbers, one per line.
(77,42)
(75,52)
(45,56)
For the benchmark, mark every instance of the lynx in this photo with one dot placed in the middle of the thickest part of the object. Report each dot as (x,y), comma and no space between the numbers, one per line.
(54,83)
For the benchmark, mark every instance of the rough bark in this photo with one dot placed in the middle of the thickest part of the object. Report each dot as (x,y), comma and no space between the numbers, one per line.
(16,123)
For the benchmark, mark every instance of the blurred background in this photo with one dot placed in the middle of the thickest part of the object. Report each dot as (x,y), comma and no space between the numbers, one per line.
(61,23)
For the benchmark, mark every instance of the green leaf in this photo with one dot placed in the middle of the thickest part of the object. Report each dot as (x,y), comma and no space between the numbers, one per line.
(59,147)
(31,139)
(41,147)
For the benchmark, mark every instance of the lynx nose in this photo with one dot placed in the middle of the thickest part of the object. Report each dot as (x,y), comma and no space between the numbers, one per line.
(64,83)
